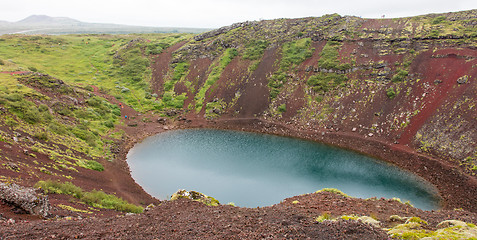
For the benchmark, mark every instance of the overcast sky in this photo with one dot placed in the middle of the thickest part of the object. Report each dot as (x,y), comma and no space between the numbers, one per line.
(217,13)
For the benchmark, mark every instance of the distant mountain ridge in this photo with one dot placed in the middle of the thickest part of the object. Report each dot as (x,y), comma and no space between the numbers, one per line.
(44,19)
(43,24)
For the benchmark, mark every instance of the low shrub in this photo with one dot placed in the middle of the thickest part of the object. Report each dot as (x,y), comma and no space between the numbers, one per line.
(31,115)
(67,188)
(57,128)
(93,165)
(296,52)
(84,134)
(322,82)
(333,190)
(438,20)
(102,200)
(109,124)
(41,136)
(390,93)
(42,108)
(94,198)
(255,49)
(399,76)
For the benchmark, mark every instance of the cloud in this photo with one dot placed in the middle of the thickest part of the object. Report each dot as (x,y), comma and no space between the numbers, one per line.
(216,13)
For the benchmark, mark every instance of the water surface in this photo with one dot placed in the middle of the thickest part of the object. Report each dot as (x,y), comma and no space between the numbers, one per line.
(259,170)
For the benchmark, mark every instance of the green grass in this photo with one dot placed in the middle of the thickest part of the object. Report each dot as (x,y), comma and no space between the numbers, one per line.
(254,49)
(29,111)
(118,64)
(282,108)
(333,190)
(214,75)
(323,82)
(390,93)
(219,105)
(438,20)
(94,198)
(67,188)
(293,53)
(400,76)
(329,57)
(180,71)
(170,99)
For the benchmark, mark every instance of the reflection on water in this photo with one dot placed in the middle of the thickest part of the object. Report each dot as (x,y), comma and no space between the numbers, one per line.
(259,170)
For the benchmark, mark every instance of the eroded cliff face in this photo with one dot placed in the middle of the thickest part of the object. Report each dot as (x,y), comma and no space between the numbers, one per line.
(409,81)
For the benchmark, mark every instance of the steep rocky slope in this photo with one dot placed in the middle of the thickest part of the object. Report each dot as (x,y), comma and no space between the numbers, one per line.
(408,82)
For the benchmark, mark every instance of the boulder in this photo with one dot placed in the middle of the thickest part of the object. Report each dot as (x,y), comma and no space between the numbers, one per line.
(371,221)
(463,79)
(162,121)
(171,112)
(25,198)
(451,223)
(196,196)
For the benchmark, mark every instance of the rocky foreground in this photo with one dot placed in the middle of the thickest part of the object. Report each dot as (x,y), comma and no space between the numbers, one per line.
(322,215)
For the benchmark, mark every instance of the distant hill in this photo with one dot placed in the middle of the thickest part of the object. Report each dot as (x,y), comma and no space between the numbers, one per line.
(42,24)
(46,20)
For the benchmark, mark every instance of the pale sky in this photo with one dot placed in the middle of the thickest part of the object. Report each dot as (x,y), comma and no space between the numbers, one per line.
(218,13)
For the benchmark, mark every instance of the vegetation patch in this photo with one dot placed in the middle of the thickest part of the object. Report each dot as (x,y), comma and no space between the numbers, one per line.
(333,190)
(214,75)
(400,76)
(323,82)
(94,198)
(449,229)
(329,56)
(196,196)
(254,49)
(215,108)
(116,64)
(180,71)
(324,217)
(293,53)
(70,208)
(390,93)
(282,108)
(171,100)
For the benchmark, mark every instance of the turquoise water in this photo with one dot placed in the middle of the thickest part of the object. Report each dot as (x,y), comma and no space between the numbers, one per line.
(260,170)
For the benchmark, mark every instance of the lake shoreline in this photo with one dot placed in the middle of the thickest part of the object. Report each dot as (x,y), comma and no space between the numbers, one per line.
(456,189)
(226,164)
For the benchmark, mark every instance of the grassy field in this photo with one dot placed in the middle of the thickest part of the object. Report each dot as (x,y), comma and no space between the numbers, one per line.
(117,64)
(70,68)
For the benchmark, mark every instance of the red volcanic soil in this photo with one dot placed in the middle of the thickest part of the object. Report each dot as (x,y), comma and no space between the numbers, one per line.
(294,218)
(161,66)
(445,65)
